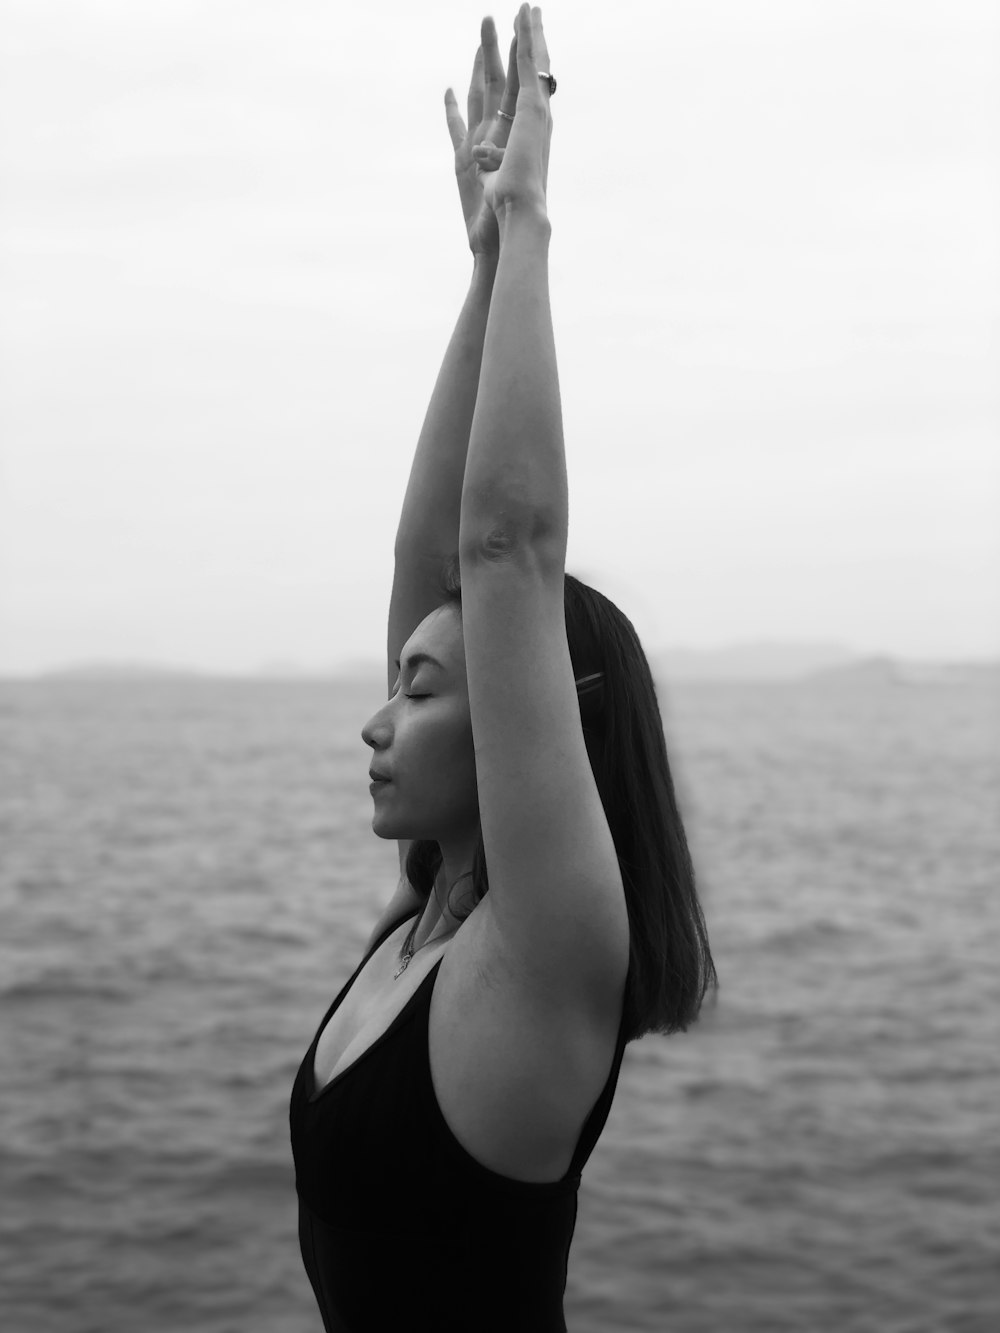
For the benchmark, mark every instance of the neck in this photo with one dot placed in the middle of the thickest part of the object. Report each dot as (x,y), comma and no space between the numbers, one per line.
(438,919)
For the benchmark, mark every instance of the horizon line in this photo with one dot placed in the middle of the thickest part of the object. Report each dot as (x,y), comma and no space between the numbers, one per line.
(361,666)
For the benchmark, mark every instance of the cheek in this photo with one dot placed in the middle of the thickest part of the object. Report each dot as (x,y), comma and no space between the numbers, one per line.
(436,737)
(456,751)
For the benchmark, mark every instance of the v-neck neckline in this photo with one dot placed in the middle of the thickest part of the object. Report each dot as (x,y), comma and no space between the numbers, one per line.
(317,1091)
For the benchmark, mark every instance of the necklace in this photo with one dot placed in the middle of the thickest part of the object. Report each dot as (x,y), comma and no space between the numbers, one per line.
(404,965)
(409,951)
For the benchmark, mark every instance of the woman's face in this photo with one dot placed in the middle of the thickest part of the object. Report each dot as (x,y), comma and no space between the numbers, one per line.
(422,740)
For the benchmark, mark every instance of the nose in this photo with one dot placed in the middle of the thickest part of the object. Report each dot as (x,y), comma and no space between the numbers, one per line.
(374,729)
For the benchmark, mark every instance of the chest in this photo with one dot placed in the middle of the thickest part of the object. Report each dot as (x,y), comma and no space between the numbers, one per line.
(514,1086)
(369,1008)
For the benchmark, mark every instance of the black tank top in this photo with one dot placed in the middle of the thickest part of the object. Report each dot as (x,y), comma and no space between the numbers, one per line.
(400,1227)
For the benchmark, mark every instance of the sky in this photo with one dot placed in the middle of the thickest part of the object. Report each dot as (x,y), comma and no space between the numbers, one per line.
(232,255)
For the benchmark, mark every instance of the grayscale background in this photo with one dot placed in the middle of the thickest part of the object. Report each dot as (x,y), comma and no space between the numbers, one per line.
(231,256)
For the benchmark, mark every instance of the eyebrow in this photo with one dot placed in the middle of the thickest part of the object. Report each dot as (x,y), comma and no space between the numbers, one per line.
(415,659)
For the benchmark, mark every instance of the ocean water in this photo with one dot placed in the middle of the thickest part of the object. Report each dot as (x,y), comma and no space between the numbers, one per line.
(189,874)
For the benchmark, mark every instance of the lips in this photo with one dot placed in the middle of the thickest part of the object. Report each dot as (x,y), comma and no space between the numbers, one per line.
(377,777)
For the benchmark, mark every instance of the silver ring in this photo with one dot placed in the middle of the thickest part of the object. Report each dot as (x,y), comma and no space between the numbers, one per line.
(505,116)
(551,81)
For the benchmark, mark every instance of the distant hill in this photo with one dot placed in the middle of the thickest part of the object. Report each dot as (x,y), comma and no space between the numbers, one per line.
(899,671)
(280,670)
(817,663)
(752,661)
(862,671)
(112,671)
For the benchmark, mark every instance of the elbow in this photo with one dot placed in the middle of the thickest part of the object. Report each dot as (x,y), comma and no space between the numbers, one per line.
(507,530)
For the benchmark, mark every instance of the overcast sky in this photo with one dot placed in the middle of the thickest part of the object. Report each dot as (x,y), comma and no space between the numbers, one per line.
(232,257)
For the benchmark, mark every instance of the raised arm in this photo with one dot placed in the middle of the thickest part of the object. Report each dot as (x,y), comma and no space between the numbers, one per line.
(429,524)
(555,915)
(516,468)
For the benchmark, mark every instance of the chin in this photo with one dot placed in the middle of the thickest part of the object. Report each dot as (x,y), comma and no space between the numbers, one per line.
(384,828)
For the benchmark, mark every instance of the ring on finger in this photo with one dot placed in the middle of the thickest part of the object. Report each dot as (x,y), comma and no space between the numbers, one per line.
(505,116)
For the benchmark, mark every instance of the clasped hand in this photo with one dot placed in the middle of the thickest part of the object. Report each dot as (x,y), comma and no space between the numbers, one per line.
(502,164)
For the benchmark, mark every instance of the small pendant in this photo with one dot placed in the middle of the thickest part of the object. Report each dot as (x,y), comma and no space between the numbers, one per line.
(403,966)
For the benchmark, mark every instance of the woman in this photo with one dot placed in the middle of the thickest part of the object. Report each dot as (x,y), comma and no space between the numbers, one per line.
(546,912)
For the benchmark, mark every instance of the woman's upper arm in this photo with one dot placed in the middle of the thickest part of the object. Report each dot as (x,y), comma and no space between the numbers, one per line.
(556,896)
(416,592)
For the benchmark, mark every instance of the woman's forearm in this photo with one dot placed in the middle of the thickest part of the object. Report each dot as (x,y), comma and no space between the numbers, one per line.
(515,473)
(429,521)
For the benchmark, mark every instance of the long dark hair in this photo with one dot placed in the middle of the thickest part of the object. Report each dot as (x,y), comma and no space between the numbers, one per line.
(670,964)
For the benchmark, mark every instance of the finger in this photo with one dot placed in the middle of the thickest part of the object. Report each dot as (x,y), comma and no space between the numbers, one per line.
(475,102)
(530,48)
(511,85)
(539,50)
(526,32)
(492,69)
(456,125)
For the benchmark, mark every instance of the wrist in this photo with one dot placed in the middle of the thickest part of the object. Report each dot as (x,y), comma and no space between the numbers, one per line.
(524,218)
(484,267)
